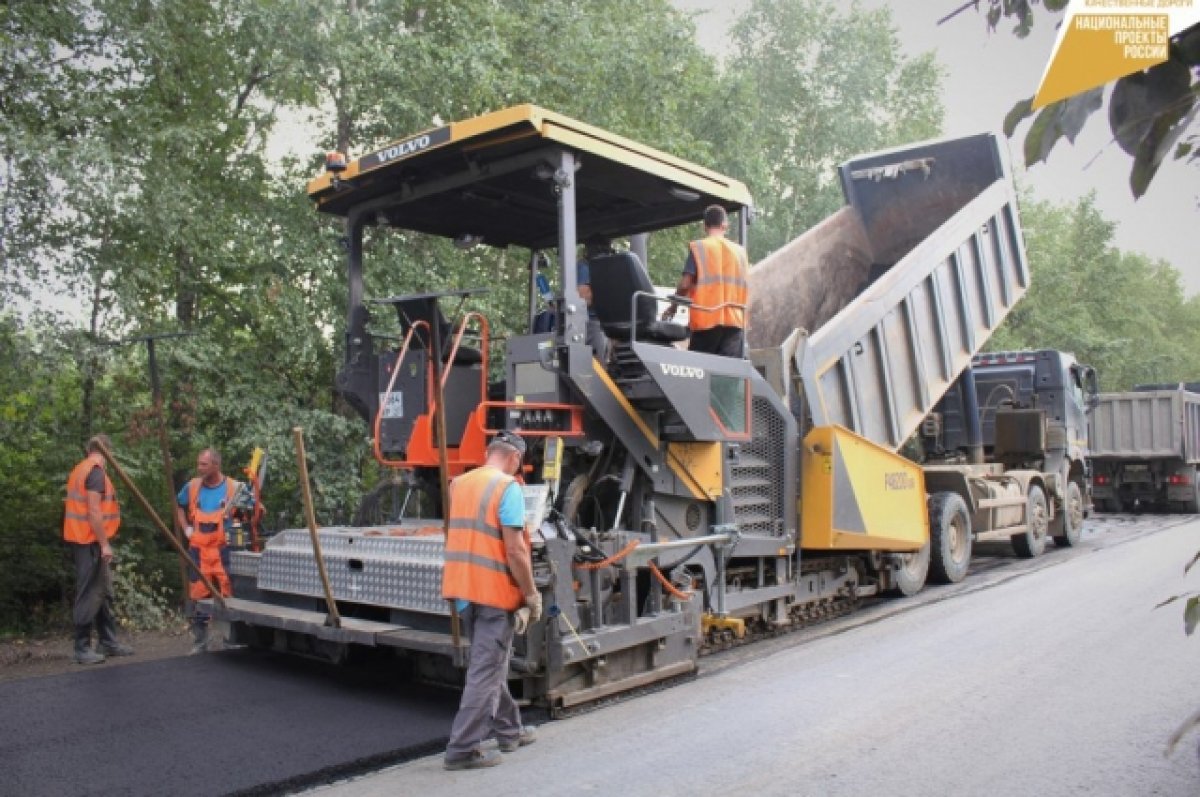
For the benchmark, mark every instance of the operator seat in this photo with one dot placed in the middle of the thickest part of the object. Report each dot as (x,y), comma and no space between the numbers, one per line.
(423,308)
(615,278)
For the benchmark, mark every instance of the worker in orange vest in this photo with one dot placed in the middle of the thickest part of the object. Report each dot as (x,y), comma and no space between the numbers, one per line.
(90,522)
(714,277)
(203,509)
(489,574)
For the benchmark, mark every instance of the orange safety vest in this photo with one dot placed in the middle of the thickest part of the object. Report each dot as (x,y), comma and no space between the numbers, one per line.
(721,268)
(476,568)
(76,527)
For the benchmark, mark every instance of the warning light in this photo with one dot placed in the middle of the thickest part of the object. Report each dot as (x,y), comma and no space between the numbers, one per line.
(335,162)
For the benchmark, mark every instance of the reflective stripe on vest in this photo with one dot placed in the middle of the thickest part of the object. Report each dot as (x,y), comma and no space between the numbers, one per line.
(721,267)
(76,527)
(476,562)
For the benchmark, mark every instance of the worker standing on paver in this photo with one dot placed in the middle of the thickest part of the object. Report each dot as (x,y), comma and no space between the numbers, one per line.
(489,574)
(90,522)
(714,276)
(203,509)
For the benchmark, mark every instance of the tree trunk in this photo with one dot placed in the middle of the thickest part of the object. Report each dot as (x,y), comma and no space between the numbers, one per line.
(185,291)
(91,360)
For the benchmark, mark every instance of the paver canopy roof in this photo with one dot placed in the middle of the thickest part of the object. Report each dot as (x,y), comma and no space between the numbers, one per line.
(492,176)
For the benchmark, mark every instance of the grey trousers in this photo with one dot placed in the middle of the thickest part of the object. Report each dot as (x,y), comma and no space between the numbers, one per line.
(93,597)
(486,704)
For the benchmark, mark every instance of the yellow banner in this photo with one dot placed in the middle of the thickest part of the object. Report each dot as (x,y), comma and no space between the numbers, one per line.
(1103,40)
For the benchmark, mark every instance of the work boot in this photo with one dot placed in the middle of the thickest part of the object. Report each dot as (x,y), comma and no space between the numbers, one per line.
(83,646)
(526,737)
(115,649)
(474,760)
(199,637)
(88,656)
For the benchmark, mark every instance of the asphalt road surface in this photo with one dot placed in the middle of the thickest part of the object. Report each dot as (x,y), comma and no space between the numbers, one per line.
(1045,676)
(1049,677)
(228,723)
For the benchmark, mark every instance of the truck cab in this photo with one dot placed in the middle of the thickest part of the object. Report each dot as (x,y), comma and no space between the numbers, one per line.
(1020,418)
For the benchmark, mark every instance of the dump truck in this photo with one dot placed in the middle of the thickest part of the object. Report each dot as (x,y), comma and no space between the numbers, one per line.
(679,502)
(1009,441)
(1145,448)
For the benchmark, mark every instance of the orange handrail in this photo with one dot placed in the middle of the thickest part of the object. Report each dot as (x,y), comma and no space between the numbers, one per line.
(395,463)
(485,334)
(432,404)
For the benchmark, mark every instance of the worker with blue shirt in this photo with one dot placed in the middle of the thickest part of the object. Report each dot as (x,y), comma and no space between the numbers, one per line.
(488,573)
(204,510)
(583,283)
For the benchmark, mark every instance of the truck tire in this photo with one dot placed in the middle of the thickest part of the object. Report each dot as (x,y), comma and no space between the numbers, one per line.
(909,578)
(950,538)
(1107,505)
(1067,528)
(1192,507)
(1032,542)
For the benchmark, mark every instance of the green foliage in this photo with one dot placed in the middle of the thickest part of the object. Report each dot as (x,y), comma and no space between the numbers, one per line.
(35,456)
(142,599)
(1120,312)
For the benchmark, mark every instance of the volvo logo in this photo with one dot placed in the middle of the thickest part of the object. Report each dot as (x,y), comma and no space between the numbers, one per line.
(686,371)
(404,149)
(397,151)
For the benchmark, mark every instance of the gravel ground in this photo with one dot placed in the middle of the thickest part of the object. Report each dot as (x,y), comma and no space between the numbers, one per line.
(33,657)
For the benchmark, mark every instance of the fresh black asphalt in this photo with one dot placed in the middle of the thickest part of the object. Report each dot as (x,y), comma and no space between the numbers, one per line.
(231,723)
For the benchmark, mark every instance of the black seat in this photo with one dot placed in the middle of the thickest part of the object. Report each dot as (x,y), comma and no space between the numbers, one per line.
(424,307)
(615,278)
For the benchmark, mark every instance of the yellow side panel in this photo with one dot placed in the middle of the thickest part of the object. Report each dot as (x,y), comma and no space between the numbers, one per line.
(856,495)
(699,465)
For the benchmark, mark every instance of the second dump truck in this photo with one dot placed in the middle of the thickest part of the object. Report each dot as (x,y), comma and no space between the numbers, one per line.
(1145,448)
(678,501)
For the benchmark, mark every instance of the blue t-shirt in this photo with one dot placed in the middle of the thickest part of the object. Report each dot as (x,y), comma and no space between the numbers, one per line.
(583,276)
(210,500)
(689,266)
(512,507)
(512,514)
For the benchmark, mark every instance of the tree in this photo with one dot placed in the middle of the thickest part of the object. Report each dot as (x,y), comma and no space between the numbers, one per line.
(1120,312)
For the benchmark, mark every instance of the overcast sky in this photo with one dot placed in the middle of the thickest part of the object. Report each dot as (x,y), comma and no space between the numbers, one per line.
(987,74)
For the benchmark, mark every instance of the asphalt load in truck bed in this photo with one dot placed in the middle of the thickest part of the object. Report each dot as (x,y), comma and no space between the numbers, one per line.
(237,722)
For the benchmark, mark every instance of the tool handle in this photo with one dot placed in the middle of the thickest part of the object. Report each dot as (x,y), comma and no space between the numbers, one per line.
(334,619)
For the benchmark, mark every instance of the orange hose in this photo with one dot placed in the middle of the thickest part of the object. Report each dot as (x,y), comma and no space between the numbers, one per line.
(618,556)
(667,585)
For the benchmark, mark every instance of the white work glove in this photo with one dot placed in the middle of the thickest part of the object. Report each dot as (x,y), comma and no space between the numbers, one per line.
(188,531)
(521,623)
(533,602)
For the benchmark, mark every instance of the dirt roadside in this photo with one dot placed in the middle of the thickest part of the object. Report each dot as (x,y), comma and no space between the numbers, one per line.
(33,657)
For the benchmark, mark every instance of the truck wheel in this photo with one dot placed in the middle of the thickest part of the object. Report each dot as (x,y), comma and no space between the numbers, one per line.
(1107,505)
(1067,528)
(1032,542)
(950,538)
(1193,506)
(909,578)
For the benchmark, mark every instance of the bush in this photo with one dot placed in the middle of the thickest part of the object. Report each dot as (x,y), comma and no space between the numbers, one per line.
(143,601)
